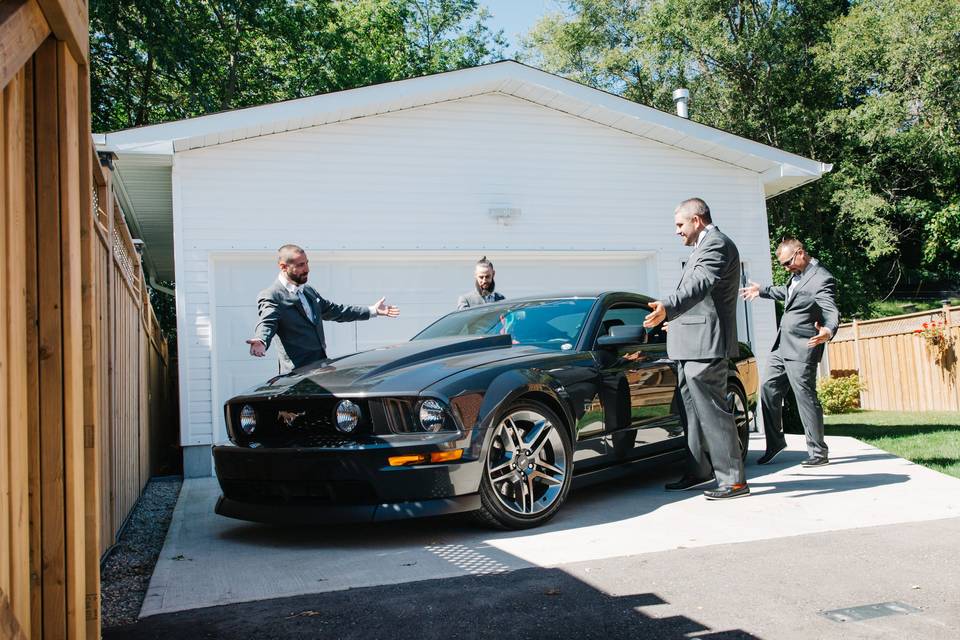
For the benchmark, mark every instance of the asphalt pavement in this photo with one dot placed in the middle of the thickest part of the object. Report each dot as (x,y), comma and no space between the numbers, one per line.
(623,559)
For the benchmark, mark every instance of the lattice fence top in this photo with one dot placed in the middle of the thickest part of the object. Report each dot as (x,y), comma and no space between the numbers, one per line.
(124,259)
(896,325)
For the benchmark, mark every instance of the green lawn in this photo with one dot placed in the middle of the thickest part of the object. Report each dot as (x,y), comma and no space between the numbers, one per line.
(930,438)
(887,308)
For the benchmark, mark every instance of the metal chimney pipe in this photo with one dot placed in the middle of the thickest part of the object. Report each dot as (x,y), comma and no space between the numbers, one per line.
(681,98)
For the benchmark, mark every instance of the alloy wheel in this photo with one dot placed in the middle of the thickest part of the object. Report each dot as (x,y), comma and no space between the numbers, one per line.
(527,463)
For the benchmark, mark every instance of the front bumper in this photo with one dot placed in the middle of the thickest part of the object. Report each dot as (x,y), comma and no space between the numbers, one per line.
(347,482)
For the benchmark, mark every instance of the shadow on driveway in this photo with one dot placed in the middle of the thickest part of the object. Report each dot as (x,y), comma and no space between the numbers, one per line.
(526,604)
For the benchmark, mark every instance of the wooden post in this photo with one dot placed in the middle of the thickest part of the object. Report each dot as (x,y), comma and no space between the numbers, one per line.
(91,370)
(52,521)
(857,357)
(68,82)
(16,327)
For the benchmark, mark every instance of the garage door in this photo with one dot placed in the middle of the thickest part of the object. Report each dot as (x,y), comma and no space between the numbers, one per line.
(424,288)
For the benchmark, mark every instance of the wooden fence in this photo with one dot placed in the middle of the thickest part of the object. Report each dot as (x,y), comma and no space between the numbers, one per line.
(899,371)
(135,392)
(74,392)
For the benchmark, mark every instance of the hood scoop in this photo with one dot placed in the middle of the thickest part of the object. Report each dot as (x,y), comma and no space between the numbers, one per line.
(441,348)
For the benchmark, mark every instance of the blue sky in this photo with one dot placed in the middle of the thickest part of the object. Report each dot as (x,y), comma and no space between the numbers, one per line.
(516,17)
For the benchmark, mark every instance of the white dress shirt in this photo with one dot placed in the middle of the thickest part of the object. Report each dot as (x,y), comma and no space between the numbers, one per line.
(706,229)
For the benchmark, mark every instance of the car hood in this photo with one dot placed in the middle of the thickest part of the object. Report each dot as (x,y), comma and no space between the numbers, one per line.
(401,369)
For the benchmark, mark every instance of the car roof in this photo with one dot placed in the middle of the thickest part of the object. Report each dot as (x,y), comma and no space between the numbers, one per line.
(566,296)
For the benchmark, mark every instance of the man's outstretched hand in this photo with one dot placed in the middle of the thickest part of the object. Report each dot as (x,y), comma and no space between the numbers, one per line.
(257,348)
(823,335)
(655,317)
(383,309)
(750,291)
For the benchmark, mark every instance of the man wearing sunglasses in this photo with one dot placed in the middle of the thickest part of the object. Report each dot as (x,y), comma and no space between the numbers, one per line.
(810,319)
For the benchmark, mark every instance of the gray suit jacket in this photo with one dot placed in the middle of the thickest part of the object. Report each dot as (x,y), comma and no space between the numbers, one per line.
(813,300)
(703,310)
(301,341)
(473,299)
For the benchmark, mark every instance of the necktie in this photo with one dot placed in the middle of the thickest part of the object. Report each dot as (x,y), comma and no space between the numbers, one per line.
(306,305)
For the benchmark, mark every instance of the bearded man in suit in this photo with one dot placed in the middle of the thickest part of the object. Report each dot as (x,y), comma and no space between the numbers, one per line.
(485,287)
(293,311)
(702,338)
(810,318)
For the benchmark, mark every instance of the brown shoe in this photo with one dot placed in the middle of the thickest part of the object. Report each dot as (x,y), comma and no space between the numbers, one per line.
(723,493)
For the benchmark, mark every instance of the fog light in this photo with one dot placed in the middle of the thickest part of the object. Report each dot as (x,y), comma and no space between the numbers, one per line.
(348,416)
(248,419)
(399,461)
(446,456)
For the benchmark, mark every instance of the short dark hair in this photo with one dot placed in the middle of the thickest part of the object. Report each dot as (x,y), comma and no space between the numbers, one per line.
(696,207)
(287,252)
(483,262)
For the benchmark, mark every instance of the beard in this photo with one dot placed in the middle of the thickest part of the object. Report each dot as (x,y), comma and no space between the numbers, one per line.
(297,279)
(486,291)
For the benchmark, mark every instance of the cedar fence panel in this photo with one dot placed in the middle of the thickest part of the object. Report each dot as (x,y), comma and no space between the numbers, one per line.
(81,358)
(135,380)
(899,371)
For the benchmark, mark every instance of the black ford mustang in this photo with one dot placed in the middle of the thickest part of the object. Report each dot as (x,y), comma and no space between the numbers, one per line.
(497,409)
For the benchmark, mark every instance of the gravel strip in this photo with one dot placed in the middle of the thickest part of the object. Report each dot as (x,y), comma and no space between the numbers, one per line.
(125,575)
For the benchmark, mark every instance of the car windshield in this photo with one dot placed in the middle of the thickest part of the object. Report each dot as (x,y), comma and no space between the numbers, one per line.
(552,324)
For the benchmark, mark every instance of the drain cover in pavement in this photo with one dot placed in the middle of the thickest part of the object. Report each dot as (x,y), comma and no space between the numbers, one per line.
(868,611)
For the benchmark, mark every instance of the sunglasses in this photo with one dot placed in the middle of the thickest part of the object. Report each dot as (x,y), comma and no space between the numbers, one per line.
(787,263)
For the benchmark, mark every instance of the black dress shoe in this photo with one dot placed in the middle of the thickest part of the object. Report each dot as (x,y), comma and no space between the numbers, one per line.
(815,461)
(768,457)
(687,482)
(725,493)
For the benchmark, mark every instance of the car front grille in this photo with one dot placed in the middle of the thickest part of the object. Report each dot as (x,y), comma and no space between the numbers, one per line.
(295,423)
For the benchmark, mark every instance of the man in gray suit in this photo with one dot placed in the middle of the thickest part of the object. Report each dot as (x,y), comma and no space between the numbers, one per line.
(701,338)
(293,311)
(810,319)
(485,287)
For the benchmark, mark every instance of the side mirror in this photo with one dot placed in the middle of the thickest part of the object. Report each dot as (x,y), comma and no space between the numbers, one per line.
(621,335)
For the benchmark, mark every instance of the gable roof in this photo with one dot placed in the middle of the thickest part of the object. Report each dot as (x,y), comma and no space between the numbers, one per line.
(144,154)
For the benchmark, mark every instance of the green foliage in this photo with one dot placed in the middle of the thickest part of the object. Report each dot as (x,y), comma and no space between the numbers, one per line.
(872,86)
(839,395)
(159,60)
(165,307)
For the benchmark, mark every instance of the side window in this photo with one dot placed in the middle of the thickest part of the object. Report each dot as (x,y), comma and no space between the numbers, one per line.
(629,314)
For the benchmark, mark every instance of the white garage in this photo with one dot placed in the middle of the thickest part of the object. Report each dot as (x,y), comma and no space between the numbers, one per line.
(397,189)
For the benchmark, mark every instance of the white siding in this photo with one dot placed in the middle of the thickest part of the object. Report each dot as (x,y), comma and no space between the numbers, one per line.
(422,180)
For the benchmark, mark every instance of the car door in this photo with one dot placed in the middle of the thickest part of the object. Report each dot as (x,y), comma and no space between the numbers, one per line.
(639,388)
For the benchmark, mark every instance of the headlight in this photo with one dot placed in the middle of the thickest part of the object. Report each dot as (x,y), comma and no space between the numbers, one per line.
(348,416)
(433,415)
(248,419)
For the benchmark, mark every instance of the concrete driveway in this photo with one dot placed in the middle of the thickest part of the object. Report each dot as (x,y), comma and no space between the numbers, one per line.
(208,560)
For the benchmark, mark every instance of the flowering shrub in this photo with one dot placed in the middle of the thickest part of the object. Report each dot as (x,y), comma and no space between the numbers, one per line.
(934,333)
(839,395)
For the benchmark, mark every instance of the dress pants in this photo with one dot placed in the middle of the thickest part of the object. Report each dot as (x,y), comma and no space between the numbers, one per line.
(802,378)
(711,430)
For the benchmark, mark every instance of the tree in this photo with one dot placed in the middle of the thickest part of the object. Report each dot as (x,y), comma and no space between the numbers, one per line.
(869,87)
(896,131)
(159,60)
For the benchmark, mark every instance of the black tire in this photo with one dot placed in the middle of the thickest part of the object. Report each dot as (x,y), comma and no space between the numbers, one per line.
(524,486)
(737,401)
